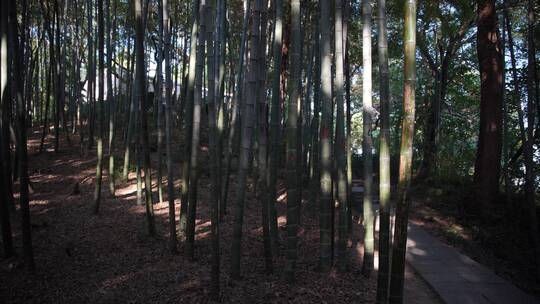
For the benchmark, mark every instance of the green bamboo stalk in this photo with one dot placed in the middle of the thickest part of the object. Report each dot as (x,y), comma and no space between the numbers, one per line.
(383,277)
(100,106)
(195,137)
(188,129)
(341,156)
(293,154)
(275,126)
(406,154)
(326,204)
(248,115)
(367,140)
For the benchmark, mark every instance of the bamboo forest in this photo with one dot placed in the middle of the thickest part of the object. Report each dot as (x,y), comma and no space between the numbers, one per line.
(270,151)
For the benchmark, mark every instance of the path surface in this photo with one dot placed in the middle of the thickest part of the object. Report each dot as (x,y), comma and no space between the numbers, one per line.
(455,277)
(416,290)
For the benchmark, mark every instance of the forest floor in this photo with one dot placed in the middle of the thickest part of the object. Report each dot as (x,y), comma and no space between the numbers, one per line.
(109,258)
(500,241)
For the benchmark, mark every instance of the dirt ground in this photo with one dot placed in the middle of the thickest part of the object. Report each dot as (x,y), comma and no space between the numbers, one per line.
(109,258)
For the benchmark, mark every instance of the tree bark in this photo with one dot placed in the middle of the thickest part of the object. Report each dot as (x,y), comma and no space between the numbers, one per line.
(488,156)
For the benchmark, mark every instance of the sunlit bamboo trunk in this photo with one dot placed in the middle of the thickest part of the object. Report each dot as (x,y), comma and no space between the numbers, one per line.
(294,159)
(406,154)
(341,156)
(383,277)
(100,107)
(325,202)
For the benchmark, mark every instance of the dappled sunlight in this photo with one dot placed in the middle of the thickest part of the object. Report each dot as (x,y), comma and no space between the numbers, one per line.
(39,202)
(282,221)
(127,104)
(282,197)
(416,251)
(129,189)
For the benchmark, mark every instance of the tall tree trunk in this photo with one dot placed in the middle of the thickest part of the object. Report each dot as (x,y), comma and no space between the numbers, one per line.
(46,113)
(530,178)
(143,134)
(248,114)
(189,112)
(367,140)
(213,145)
(17,89)
(348,119)
(90,88)
(63,72)
(293,153)
(326,203)
(488,156)
(406,155)
(236,99)
(262,135)
(49,30)
(383,277)
(158,97)
(220,51)
(111,101)
(168,124)
(100,106)
(132,117)
(315,172)
(275,126)
(57,77)
(197,104)
(340,153)
(6,199)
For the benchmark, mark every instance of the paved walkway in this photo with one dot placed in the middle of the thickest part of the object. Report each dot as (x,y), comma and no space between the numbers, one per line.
(455,277)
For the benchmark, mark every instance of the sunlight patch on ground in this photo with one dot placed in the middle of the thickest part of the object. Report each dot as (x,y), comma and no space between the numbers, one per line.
(449,226)
(39,202)
(203,235)
(282,220)
(203,230)
(203,225)
(130,189)
(416,251)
